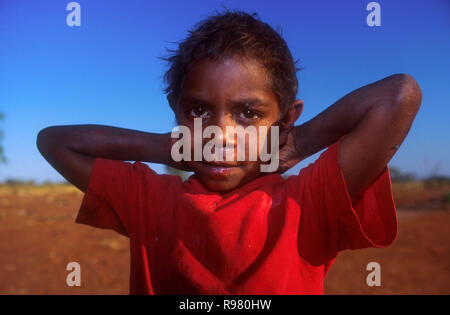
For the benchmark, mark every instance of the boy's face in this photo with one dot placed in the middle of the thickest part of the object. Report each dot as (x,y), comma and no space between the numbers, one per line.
(229,92)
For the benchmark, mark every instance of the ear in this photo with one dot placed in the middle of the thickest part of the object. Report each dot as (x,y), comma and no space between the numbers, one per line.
(294,112)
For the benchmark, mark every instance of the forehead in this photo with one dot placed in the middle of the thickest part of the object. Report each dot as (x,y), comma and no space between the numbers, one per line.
(227,79)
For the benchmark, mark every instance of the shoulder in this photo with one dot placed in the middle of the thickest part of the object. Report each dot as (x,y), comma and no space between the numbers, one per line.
(324,168)
(130,172)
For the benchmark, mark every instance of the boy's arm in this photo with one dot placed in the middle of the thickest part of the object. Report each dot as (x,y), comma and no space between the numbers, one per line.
(72,149)
(375,119)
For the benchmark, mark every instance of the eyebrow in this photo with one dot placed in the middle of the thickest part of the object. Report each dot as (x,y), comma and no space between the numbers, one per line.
(238,102)
(251,101)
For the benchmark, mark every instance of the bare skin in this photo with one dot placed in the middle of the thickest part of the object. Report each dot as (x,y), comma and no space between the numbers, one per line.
(375,119)
(229,93)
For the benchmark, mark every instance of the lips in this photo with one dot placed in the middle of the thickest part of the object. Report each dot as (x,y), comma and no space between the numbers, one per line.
(220,164)
(218,168)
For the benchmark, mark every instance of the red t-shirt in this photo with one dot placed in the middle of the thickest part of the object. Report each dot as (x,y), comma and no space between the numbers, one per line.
(270,236)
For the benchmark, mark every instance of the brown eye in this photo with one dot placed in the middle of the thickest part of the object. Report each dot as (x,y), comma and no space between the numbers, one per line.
(198,111)
(249,114)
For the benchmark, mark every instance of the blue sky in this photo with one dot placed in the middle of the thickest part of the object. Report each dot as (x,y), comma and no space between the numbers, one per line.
(107,70)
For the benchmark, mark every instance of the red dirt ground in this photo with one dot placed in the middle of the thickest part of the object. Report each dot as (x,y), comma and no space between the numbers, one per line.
(39,238)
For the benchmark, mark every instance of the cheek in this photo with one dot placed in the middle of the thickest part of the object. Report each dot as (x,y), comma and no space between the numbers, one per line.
(254,144)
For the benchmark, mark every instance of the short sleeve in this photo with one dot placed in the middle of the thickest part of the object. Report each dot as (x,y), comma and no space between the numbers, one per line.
(113,194)
(330,222)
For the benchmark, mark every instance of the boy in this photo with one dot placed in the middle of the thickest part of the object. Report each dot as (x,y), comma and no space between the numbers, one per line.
(231,229)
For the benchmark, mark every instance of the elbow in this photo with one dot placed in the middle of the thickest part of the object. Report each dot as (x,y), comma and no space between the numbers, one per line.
(43,140)
(408,94)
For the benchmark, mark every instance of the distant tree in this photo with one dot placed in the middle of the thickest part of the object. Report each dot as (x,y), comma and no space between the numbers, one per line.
(19,182)
(401,177)
(435,181)
(2,152)
(50,182)
(446,198)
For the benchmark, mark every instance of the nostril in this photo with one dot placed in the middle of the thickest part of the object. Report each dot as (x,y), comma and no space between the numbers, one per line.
(223,153)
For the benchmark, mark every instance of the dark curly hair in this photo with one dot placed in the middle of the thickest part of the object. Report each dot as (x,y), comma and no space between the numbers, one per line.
(235,33)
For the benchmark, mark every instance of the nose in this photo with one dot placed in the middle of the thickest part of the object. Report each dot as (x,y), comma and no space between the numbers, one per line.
(226,124)
(226,136)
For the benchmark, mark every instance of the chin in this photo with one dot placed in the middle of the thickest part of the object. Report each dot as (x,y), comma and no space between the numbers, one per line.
(219,186)
(223,179)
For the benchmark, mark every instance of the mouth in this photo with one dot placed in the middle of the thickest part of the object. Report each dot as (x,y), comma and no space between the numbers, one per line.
(218,169)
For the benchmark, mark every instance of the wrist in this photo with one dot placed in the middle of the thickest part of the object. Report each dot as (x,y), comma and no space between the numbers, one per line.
(299,150)
(168,143)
